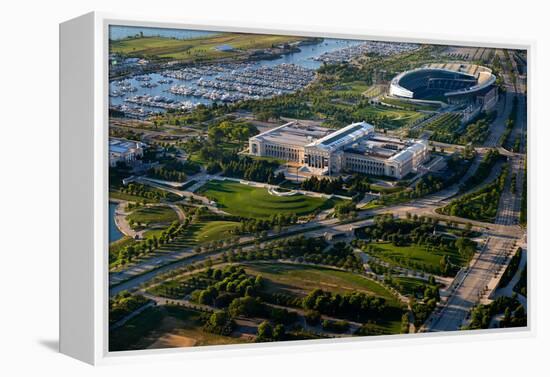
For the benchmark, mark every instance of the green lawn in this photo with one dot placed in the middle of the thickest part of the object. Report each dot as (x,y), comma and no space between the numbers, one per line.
(416,257)
(248,201)
(385,189)
(202,232)
(299,280)
(129,197)
(307,278)
(203,48)
(409,285)
(215,230)
(153,232)
(156,214)
(136,198)
(393,118)
(413,106)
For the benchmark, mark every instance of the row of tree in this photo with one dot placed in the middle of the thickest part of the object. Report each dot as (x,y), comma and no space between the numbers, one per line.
(247,168)
(483,170)
(275,222)
(226,285)
(345,209)
(480,205)
(123,304)
(166,174)
(357,306)
(149,244)
(510,123)
(301,249)
(137,189)
(514,313)
(324,185)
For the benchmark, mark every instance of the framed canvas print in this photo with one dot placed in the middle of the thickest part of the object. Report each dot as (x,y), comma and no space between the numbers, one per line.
(224,187)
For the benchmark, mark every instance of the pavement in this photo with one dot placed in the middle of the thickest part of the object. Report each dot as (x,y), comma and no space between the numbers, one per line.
(467,291)
(121,222)
(480,280)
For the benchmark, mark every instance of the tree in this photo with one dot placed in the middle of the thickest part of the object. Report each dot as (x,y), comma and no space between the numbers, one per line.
(265,332)
(312,317)
(219,323)
(258,282)
(207,296)
(247,306)
(278,332)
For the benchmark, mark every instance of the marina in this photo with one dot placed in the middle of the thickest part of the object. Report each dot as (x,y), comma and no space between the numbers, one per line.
(250,83)
(185,87)
(369,47)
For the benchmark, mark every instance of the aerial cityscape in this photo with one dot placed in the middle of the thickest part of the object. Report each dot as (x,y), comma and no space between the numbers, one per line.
(267,188)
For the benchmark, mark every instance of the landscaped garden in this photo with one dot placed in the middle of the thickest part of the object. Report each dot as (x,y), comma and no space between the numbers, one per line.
(255,202)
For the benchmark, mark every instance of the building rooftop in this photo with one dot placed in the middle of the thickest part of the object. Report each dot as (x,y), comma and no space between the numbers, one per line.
(415,147)
(385,148)
(123,146)
(402,156)
(293,133)
(344,136)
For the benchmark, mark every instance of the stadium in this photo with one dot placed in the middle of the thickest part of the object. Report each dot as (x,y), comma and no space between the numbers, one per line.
(453,83)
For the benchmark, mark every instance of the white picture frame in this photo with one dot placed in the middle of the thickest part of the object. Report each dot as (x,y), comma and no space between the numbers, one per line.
(84,191)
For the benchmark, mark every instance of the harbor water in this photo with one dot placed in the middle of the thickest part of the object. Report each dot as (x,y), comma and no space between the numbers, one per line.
(114,233)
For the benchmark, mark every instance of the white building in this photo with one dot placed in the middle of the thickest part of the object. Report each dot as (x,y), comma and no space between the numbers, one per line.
(286,142)
(354,148)
(127,151)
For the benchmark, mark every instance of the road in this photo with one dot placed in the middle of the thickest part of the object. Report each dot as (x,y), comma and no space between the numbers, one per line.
(504,108)
(470,287)
(480,280)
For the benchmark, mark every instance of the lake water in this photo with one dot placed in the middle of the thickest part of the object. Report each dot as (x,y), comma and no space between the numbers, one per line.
(114,233)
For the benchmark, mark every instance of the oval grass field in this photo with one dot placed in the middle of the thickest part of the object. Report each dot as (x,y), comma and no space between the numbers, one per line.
(216,230)
(255,202)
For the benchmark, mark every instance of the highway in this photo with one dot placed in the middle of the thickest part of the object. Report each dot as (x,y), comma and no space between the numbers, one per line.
(481,278)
